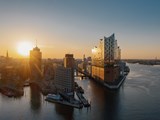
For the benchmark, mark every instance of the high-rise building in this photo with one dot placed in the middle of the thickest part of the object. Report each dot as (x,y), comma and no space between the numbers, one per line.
(64,76)
(64,79)
(35,64)
(107,52)
(69,61)
(104,59)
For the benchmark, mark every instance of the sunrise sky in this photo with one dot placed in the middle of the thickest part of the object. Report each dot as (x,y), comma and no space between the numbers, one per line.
(75,26)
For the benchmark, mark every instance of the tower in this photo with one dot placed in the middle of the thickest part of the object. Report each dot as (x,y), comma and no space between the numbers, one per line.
(35,63)
(7,54)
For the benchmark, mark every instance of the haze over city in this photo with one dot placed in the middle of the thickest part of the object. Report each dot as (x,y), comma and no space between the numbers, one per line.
(75,26)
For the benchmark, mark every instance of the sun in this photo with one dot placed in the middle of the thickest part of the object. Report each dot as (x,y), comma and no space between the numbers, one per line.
(24,47)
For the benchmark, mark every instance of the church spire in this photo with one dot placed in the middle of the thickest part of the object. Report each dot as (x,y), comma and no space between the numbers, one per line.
(7,54)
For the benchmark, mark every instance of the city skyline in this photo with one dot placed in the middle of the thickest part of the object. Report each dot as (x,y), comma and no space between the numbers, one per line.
(62,27)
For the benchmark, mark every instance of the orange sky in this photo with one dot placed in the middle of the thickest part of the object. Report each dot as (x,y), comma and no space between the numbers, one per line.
(58,50)
(64,27)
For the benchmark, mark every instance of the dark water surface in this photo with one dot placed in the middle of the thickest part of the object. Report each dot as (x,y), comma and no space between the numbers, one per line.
(137,99)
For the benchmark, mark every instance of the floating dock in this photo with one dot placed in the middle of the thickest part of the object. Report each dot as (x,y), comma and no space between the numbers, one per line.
(82,99)
(64,102)
(62,99)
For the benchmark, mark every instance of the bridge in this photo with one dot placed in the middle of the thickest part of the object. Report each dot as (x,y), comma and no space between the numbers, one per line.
(83,73)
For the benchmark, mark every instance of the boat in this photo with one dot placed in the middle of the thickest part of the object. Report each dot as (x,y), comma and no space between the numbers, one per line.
(126,70)
(26,83)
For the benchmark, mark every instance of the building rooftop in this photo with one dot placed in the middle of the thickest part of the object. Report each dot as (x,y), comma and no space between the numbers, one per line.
(36,49)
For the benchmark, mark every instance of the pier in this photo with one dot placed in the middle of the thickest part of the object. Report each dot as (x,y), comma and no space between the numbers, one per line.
(82,99)
(65,102)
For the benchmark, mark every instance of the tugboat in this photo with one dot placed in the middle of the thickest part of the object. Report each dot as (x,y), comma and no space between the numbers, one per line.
(126,70)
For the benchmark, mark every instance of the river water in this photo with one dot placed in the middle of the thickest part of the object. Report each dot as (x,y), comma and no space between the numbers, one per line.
(137,99)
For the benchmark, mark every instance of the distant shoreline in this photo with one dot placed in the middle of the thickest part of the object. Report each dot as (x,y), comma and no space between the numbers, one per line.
(144,62)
